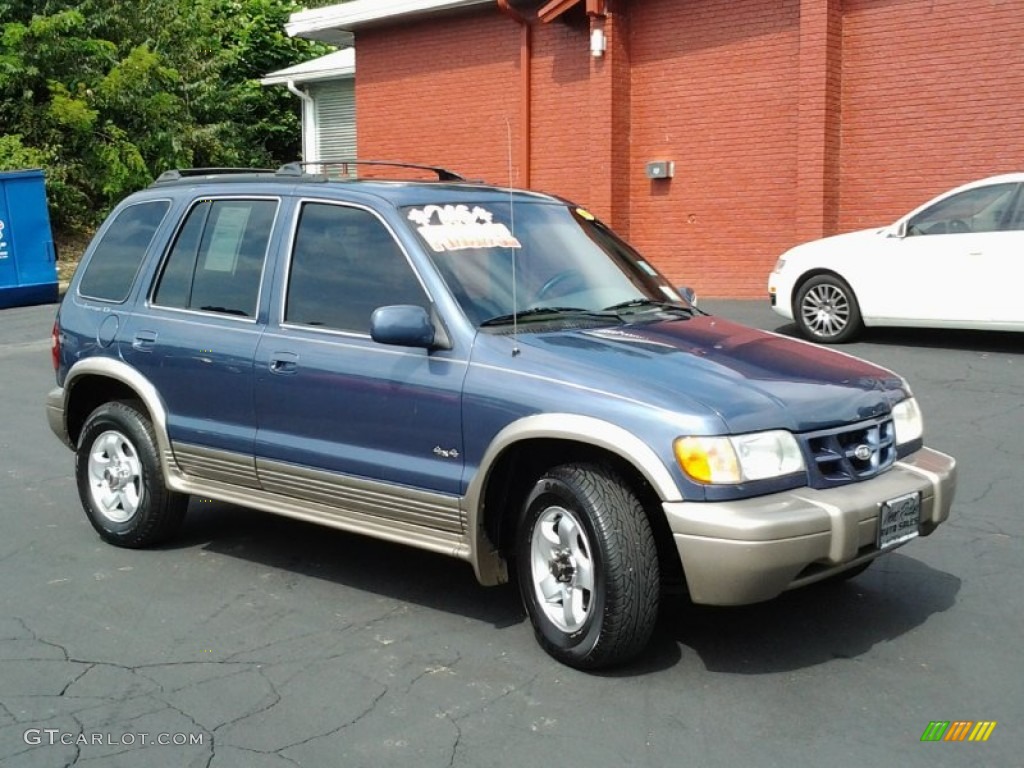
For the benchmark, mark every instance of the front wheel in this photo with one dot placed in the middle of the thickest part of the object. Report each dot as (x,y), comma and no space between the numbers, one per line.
(826,310)
(117,467)
(587,567)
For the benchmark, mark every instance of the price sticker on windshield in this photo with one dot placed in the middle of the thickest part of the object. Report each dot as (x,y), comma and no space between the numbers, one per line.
(459,227)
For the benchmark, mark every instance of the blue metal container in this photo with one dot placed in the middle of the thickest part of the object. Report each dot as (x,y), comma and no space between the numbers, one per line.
(28,262)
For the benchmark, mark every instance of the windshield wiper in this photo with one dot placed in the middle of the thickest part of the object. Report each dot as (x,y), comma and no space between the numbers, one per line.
(645,303)
(539,312)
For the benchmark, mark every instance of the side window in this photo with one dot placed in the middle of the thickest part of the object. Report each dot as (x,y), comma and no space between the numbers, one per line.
(118,255)
(1016,222)
(216,262)
(984,209)
(345,264)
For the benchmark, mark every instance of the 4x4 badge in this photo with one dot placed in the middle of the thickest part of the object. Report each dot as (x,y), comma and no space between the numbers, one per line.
(446,453)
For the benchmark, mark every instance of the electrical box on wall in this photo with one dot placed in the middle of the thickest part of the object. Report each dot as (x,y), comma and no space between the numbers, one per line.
(661,169)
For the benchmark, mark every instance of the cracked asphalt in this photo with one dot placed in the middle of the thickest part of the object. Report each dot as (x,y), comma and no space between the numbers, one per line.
(259,642)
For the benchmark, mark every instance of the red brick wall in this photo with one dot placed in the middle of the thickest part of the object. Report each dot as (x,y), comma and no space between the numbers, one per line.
(715,90)
(561,78)
(440,93)
(932,97)
(776,137)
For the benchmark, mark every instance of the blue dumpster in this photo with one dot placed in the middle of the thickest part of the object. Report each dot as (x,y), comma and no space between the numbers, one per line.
(28,262)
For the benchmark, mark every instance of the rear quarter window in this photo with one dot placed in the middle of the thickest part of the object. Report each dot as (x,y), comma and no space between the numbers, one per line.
(116,259)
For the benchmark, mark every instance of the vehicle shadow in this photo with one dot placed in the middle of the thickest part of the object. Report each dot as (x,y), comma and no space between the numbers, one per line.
(814,625)
(999,342)
(800,629)
(347,559)
(373,566)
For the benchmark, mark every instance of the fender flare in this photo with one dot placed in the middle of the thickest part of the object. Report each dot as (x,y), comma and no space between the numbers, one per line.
(488,564)
(118,370)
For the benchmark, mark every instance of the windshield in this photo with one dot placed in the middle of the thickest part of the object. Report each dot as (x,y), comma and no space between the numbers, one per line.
(564,259)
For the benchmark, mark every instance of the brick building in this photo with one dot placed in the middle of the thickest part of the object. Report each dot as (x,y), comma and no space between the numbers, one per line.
(785,120)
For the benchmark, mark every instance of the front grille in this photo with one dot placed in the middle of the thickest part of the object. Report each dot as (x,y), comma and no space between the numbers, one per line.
(850,453)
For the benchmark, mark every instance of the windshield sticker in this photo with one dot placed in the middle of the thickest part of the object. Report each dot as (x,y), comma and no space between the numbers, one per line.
(457,227)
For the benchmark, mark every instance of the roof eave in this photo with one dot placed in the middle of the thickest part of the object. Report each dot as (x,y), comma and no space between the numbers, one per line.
(327,74)
(333,66)
(336,24)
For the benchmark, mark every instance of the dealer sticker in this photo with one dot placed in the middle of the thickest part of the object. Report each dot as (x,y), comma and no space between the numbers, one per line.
(458,227)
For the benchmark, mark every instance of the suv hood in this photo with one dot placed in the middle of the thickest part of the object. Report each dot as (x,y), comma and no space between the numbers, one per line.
(750,379)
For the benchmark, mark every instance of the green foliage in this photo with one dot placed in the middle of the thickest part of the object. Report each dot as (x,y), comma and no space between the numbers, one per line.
(107,94)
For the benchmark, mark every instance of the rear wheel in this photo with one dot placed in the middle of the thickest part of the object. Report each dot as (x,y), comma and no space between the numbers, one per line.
(120,485)
(826,310)
(587,567)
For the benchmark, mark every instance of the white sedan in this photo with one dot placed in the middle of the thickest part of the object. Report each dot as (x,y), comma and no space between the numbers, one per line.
(955,262)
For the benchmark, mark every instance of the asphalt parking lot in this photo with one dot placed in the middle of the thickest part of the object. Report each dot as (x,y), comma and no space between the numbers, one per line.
(259,642)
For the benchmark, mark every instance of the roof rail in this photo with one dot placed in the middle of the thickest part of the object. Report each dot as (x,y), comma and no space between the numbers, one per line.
(298,167)
(183,173)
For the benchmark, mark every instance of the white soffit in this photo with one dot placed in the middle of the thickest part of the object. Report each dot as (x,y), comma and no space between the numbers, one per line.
(335,24)
(330,67)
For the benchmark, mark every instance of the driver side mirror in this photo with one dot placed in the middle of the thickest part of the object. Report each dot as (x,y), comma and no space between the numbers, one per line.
(403,325)
(687,293)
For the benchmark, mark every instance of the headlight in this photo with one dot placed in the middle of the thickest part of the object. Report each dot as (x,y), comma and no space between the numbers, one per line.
(739,458)
(906,417)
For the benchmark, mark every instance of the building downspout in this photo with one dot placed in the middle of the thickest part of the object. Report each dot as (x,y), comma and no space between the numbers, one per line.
(309,142)
(525,91)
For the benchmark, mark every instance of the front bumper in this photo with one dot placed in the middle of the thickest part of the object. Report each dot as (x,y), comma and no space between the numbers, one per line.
(780,294)
(751,550)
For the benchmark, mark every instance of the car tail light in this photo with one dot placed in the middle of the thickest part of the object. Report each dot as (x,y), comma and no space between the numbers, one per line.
(55,346)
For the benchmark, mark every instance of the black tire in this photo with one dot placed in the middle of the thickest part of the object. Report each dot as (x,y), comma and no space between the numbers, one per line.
(826,310)
(120,484)
(598,563)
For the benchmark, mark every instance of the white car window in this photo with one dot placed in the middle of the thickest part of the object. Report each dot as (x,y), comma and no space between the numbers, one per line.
(1016,221)
(983,209)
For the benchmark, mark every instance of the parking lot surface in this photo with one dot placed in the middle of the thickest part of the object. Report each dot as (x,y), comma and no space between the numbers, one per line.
(259,642)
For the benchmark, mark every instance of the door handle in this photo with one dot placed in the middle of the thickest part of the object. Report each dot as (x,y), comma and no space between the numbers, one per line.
(144,340)
(284,362)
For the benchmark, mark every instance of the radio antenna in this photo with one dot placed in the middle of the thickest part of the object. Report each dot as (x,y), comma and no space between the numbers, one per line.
(512,229)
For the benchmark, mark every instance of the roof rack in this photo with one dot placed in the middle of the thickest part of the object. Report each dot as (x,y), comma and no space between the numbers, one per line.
(298,167)
(178,174)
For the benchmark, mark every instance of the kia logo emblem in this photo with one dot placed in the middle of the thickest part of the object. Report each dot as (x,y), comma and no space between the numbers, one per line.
(862,452)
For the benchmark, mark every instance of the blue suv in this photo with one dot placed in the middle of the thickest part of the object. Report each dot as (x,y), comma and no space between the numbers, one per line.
(486,373)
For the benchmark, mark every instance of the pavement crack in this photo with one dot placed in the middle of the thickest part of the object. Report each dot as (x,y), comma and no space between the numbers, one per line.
(78,747)
(276,699)
(367,711)
(76,678)
(433,669)
(232,657)
(37,639)
(458,739)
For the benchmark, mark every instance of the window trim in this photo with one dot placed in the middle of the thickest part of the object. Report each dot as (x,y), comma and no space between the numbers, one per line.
(287,276)
(142,261)
(173,239)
